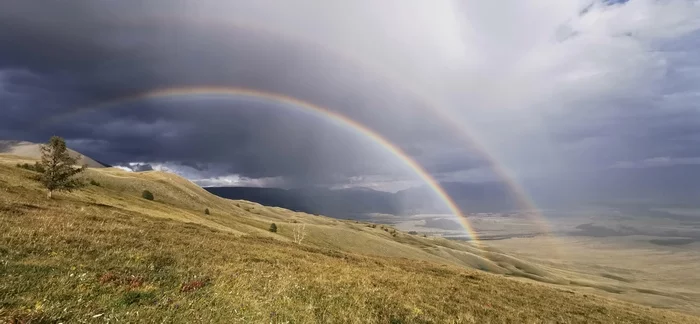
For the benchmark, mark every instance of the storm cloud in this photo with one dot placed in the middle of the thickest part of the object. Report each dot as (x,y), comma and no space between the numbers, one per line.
(554,91)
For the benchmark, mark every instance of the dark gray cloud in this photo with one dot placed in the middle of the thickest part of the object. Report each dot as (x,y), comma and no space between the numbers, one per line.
(546,109)
(72,55)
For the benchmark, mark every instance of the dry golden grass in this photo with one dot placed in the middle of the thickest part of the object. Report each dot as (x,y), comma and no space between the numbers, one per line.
(105,254)
(627,268)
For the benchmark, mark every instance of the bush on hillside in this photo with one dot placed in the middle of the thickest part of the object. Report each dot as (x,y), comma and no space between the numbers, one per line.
(147,195)
(94,183)
(25,166)
(412,232)
(206,211)
(37,167)
(273,228)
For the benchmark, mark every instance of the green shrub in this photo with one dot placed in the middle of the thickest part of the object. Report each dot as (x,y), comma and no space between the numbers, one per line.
(94,183)
(137,297)
(37,167)
(273,228)
(412,232)
(206,211)
(147,195)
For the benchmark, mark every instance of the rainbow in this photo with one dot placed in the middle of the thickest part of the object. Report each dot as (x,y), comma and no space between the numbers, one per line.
(525,202)
(287,101)
(439,109)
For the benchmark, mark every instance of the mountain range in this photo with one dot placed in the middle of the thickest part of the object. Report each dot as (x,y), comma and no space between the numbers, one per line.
(354,202)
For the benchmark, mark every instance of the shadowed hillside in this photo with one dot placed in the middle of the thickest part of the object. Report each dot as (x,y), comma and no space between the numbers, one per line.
(105,254)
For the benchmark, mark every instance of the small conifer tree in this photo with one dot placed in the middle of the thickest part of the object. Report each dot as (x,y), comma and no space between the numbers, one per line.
(58,167)
(273,228)
(206,211)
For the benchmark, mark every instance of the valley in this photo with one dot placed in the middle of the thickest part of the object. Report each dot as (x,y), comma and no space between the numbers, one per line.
(105,253)
(651,261)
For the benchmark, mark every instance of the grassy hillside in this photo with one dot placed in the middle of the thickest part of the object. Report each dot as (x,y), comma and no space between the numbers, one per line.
(33,151)
(104,254)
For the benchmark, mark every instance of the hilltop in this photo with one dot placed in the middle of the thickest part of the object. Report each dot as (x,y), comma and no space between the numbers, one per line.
(105,254)
(33,151)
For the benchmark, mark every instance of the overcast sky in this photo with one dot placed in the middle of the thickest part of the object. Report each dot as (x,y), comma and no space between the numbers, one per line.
(554,90)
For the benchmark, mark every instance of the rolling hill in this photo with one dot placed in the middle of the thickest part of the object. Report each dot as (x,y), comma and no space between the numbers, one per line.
(33,151)
(104,254)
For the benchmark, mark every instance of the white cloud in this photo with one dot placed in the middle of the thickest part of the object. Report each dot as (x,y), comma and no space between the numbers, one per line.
(531,84)
(377,182)
(123,168)
(208,177)
(238,181)
(664,161)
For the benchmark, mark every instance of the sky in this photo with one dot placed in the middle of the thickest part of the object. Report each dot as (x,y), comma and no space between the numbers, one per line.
(559,95)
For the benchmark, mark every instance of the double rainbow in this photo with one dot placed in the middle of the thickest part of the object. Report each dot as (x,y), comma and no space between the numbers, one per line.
(363,63)
(294,103)
(378,71)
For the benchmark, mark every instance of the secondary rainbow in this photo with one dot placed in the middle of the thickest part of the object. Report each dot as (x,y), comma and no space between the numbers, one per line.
(439,109)
(288,101)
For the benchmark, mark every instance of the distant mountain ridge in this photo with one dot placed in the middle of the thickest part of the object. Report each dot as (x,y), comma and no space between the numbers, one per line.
(346,203)
(340,203)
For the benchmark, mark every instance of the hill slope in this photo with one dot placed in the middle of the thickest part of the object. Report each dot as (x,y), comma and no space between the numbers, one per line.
(105,254)
(33,151)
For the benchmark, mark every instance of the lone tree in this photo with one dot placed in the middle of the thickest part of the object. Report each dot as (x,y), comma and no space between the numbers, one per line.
(273,228)
(206,211)
(59,167)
